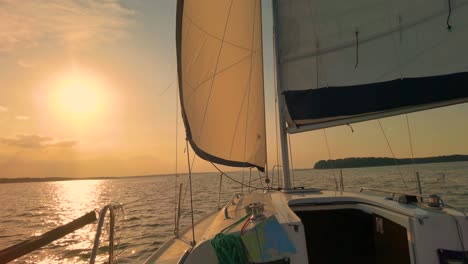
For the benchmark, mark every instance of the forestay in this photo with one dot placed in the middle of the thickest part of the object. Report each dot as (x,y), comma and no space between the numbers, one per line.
(220,70)
(348,61)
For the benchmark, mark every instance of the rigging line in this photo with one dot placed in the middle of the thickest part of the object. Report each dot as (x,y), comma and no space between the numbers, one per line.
(250,177)
(267,180)
(229,177)
(291,160)
(187,182)
(330,158)
(260,178)
(176,156)
(410,139)
(242,185)
(449,27)
(276,130)
(250,81)
(277,113)
(191,197)
(167,88)
(216,68)
(393,155)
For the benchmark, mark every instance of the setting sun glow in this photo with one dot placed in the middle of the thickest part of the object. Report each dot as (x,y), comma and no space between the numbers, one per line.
(79,96)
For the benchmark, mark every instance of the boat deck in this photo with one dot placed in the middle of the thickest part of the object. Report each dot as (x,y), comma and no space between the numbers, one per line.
(422,233)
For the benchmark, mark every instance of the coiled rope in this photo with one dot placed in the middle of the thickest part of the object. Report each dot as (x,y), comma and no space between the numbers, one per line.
(229,249)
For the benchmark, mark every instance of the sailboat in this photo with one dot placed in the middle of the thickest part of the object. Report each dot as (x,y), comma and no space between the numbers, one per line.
(336,63)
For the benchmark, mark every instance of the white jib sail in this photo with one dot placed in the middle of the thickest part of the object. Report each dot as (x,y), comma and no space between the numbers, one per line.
(220,67)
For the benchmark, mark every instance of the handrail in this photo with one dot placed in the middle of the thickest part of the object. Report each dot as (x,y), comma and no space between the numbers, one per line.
(393,193)
(229,203)
(278,166)
(102,216)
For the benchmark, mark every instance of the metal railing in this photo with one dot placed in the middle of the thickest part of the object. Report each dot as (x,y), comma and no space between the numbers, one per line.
(35,243)
(392,193)
(102,215)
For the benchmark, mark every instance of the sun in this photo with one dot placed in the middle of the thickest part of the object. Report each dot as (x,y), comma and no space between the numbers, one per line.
(79,96)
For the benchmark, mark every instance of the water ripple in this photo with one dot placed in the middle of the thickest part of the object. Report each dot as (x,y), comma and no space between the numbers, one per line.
(30,209)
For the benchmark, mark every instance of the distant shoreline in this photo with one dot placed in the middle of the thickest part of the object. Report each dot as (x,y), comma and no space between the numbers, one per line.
(360,162)
(49,179)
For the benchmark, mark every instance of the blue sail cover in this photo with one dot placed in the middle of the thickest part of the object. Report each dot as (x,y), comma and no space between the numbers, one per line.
(347,61)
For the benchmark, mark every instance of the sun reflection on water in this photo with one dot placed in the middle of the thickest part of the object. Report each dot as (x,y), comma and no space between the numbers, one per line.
(75,198)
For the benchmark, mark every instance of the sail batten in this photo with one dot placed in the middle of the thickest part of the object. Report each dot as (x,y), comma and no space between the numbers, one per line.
(220,70)
(348,61)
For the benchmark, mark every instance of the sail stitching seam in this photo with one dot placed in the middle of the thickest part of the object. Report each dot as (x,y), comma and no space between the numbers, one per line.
(219,72)
(213,36)
(216,68)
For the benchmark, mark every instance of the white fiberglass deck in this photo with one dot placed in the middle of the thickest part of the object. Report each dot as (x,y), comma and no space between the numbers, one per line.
(427,230)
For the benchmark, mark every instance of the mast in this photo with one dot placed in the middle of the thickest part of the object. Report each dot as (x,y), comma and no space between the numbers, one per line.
(280,101)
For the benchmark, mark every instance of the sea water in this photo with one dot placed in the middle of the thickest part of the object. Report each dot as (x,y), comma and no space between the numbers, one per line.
(30,209)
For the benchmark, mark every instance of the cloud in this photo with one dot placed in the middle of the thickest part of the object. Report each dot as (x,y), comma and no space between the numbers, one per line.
(21,117)
(3,109)
(63,144)
(25,64)
(27,23)
(36,142)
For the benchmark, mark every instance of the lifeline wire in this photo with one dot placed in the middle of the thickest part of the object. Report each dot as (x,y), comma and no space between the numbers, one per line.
(330,158)
(291,161)
(235,180)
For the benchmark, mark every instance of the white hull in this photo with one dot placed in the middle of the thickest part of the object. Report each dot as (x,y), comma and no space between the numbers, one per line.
(369,229)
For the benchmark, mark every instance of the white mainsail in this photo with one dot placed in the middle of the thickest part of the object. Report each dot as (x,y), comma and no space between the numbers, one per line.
(351,61)
(220,68)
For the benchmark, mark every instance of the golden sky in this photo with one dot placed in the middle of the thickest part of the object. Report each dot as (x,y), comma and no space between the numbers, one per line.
(87,88)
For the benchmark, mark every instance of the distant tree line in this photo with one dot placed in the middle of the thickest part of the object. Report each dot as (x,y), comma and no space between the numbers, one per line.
(383,161)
